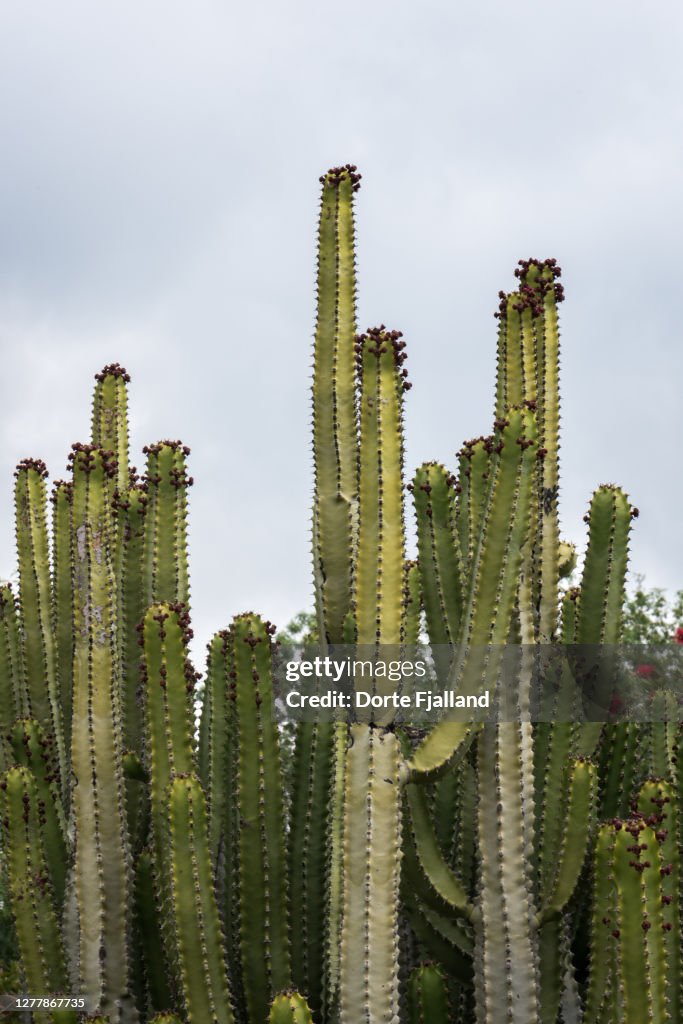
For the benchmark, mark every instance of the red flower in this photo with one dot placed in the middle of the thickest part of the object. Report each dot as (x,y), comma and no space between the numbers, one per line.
(645,671)
(678,635)
(616,704)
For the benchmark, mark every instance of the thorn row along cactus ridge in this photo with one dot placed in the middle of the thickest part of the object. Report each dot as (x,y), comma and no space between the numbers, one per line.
(243,872)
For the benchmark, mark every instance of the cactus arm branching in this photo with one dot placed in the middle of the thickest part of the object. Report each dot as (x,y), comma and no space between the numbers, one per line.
(445,937)
(430,856)
(495,573)
(196,924)
(443,745)
(440,937)
(422,900)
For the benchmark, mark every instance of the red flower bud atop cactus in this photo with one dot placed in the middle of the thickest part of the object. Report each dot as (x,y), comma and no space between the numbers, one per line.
(678,635)
(645,671)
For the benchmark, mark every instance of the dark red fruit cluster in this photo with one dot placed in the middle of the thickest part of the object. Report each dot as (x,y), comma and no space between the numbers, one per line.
(336,175)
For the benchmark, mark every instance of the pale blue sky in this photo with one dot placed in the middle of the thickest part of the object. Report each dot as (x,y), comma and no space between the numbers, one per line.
(158,205)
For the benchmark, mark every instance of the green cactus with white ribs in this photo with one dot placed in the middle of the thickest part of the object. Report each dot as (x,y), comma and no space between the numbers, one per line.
(367,874)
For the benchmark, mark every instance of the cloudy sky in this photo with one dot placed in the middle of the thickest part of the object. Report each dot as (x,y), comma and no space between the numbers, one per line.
(158,204)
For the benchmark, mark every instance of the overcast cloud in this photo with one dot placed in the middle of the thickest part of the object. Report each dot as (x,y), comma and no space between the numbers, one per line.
(158,207)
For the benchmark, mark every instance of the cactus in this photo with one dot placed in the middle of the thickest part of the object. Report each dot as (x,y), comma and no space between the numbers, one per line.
(428,996)
(39,655)
(165,567)
(631,879)
(263,910)
(290,1008)
(31,750)
(334,403)
(31,891)
(13,696)
(196,925)
(171,873)
(102,852)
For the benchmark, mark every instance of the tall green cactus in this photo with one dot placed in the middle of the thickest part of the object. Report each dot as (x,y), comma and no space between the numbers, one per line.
(263,910)
(172,874)
(13,695)
(110,418)
(102,853)
(531,788)
(428,996)
(31,890)
(165,566)
(334,403)
(315,838)
(632,916)
(39,655)
(195,921)
(62,598)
